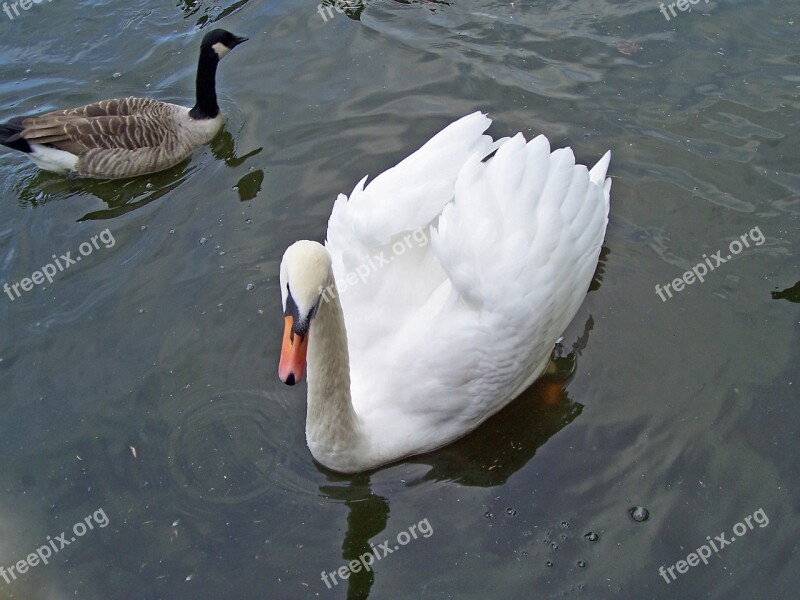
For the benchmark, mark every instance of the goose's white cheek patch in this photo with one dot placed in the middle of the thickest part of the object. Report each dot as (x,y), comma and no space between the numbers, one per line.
(221,49)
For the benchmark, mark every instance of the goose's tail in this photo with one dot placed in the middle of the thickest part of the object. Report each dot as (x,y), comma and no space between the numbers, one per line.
(10,136)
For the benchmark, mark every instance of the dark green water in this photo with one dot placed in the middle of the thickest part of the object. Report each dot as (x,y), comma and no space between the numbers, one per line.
(142,381)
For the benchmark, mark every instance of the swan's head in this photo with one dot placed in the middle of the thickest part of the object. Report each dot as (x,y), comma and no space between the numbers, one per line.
(221,41)
(305,273)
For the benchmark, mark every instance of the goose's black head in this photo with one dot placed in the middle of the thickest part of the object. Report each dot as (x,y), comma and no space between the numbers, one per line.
(220,42)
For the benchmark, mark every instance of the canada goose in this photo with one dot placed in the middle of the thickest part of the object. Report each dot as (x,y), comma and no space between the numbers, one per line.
(125,137)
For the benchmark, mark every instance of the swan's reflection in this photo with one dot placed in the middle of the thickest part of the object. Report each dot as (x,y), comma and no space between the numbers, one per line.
(367,518)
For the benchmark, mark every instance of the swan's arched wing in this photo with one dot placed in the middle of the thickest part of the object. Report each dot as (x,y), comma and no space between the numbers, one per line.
(518,246)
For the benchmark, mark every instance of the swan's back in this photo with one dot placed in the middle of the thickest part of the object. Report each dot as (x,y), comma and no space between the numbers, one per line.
(475,268)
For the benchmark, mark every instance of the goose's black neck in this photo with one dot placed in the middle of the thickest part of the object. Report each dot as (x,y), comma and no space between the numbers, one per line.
(206,106)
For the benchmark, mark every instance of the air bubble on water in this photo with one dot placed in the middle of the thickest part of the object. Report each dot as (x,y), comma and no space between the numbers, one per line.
(639,513)
(592,536)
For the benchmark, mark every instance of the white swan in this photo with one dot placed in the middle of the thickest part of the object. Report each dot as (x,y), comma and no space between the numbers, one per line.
(441,291)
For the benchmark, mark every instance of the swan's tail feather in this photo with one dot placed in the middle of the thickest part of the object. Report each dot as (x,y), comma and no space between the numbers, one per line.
(598,173)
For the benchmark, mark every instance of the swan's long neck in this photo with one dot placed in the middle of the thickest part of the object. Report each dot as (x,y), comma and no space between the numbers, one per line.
(332,426)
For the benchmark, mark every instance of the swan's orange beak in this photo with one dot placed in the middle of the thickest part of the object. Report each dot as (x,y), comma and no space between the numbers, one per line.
(293,353)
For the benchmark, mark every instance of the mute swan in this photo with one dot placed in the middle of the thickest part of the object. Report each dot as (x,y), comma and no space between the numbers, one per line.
(440,293)
(125,137)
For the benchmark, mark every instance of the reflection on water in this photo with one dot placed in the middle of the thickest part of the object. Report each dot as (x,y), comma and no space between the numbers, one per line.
(791,294)
(212,13)
(367,516)
(249,185)
(354,8)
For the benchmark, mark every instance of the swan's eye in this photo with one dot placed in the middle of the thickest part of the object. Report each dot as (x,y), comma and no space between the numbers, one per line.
(300,322)
(291,306)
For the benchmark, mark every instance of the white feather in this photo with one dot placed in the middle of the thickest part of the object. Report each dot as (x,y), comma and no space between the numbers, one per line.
(52,159)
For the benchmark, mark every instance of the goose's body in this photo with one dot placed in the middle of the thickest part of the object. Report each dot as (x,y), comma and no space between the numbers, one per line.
(437,336)
(114,139)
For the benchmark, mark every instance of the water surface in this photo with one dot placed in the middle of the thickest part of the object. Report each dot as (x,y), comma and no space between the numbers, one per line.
(142,380)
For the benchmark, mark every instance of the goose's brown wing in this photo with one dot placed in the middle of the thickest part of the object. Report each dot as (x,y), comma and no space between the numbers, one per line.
(118,163)
(118,107)
(127,124)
